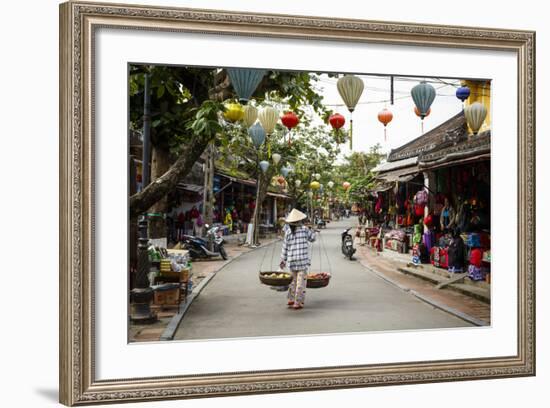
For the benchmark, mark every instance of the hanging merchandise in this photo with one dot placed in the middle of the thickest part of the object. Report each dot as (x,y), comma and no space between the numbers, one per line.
(423,95)
(257,134)
(337,121)
(463,93)
(290,120)
(421,197)
(350,89)
(245,81)
(264,165)
(233,112)
(276,157)
(475,116)
(385,117)
(250,115)
(268,117)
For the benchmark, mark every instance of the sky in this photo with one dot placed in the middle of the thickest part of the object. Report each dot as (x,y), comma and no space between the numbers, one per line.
(405,125)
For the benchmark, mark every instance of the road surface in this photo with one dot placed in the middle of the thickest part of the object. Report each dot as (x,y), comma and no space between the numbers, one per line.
(236,304)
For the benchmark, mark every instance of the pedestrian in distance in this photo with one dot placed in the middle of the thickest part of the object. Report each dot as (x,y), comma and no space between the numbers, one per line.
(296,254)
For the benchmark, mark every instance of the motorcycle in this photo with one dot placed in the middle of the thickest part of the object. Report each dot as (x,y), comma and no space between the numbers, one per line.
(210,247)
(320,223)
(347,244)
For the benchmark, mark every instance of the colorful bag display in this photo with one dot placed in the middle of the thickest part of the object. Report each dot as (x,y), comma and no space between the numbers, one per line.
(474,240)
(421,197)
(476,256)
(476,273)
(439,257)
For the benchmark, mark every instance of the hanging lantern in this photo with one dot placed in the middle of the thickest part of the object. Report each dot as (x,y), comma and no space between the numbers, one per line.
(250,115)
(417,112)
(317,176)
(475,116)
(257,134)
(268,117)
(310,194)
(330,184)
(321,187)
(285,171)
(264,165)
(314,185)
(290,120)
(350,89)
(385,117)
(337,121)
(423,96)
(276,157)
(346,185)
(245,81)
(281,180)
(463,93)
(297,183)
(233,112)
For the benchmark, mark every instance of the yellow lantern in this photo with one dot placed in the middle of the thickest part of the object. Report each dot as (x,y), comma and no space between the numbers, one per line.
(233,112)
(314,185)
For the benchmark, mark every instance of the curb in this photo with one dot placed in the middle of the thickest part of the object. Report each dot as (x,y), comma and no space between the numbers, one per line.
(470,319)
(174,323)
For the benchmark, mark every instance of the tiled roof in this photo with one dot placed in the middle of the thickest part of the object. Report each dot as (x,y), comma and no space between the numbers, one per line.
(451,130)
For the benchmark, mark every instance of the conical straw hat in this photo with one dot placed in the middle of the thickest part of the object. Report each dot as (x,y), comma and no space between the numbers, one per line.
(295,216)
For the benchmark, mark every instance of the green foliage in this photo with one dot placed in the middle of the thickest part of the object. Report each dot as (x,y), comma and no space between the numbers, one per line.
(205,123)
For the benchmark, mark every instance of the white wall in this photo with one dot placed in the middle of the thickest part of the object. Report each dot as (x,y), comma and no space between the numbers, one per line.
(29,174)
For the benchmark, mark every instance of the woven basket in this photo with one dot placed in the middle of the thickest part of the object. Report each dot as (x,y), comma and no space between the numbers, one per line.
(317,283)
(274,281)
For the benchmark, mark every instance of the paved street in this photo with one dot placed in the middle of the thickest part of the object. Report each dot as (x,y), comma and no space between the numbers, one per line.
(236,304)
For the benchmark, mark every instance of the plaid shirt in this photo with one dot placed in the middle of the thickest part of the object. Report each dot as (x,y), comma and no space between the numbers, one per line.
(295,252)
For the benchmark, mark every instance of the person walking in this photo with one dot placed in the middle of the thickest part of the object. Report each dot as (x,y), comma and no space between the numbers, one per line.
(295,253)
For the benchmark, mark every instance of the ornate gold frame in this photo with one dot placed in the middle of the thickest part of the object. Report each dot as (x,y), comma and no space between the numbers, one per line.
(77,24)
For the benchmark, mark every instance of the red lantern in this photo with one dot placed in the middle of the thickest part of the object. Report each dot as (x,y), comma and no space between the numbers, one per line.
(385,117)
(337,121)
(290,120)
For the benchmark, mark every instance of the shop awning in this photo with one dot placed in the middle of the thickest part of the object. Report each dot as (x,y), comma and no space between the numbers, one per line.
(382,187)
(394,165)
(402,175)
(190,187)
(277,195)
(238,180)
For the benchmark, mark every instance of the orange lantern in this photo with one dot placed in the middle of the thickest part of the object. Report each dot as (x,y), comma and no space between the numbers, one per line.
(346,185)
(385,117)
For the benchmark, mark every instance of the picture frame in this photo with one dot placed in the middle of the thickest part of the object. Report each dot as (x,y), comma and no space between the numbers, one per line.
(79,22)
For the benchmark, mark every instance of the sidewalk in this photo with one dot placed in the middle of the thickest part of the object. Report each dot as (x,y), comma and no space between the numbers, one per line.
(202,272)
(393,267)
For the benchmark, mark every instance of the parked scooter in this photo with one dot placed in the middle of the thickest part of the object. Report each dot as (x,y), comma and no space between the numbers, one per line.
(211,247)
(347,244)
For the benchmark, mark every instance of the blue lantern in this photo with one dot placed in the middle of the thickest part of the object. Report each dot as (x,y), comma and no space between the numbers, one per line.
(264,165)
(423,95)
(463,93)
(285,171)
(257,134)
(245,81)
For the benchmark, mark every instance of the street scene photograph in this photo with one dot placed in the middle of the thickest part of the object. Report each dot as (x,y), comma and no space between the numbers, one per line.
(281,203)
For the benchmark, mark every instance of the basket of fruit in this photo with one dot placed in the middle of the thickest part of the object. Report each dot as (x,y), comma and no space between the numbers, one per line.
(275,278)
(318,280)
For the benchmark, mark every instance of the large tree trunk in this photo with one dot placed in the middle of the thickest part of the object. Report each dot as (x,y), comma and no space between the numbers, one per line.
(261,194)
(191,152)
(160,163)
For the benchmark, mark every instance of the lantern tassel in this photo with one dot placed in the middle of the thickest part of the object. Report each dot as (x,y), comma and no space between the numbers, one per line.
(385,136)
(351,133)
(422,126)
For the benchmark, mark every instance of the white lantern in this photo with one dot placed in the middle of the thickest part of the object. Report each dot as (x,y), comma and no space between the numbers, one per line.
(330,184)
(297,183)
(276,158)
